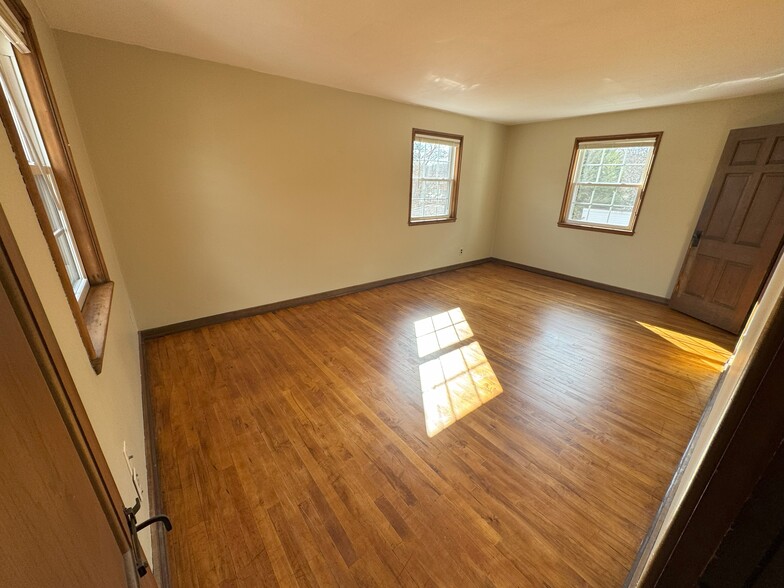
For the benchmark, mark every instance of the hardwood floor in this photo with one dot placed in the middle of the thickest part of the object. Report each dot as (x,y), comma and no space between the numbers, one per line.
(294,445)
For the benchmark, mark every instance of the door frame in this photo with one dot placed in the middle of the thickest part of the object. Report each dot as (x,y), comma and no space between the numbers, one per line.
(745,441)
(16,281)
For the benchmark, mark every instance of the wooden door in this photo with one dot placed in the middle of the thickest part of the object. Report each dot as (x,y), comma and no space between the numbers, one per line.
(53,529)
(739,232)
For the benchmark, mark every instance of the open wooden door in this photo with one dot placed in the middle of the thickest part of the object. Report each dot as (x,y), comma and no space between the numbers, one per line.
(54,530)
(62,523)
(739,232)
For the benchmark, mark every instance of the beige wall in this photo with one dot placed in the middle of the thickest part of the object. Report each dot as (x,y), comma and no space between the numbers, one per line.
(537,163)
(227,189)
(113,399)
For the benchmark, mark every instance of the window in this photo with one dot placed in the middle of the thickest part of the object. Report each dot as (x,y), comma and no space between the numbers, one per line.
(32,122)
(607,181)
(435,175)
(38,160)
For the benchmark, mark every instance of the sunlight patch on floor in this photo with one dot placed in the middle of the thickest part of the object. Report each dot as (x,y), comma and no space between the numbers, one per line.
(455,384)
(711,354)
(440,331)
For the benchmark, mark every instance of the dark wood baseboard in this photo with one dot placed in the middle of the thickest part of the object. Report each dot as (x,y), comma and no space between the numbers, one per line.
(584,282)
(311,298)
(160,558)
(215,319)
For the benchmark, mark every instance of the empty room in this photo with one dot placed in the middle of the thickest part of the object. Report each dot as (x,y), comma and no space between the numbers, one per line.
(369,293)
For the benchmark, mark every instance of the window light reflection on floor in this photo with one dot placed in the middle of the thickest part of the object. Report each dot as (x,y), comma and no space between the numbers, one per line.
(456,382)
(710,353)
(441,331)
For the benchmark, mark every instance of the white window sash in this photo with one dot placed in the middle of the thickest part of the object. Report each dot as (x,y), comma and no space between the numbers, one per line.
(610,207)
(646,142)
(422,138)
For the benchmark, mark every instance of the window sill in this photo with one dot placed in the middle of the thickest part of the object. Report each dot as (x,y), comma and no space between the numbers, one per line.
(436,221)
(95,317)
(599,229)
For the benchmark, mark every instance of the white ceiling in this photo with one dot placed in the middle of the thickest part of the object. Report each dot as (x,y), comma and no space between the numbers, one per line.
(504,60)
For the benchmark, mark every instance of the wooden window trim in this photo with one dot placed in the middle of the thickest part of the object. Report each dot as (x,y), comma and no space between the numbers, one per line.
(92,318)
(562,220)
(453,204)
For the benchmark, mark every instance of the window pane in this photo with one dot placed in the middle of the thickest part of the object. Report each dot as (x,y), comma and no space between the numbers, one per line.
(620,216)
(625,196)
(603,195)
(610,174)
(632,174)
(612,156)
(50,203)
(431,198)
(638,154)
(593,156)
(71,267)
(584,193)
(588,173)
(579,212)
(432,160)
(596,214)
(606,205)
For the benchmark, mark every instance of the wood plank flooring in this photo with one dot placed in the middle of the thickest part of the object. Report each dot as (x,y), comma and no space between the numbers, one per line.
(294,445)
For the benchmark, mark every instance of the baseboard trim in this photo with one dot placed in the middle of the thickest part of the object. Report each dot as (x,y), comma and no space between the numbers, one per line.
(311,298)
(583,282)
(160,557)
(273,306)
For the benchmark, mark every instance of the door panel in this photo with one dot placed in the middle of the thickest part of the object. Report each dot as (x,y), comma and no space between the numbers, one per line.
(729,197)
(747,152)
(730,285)
(760,213)
(777,156)
(702,275)
(54,531)
(739,232)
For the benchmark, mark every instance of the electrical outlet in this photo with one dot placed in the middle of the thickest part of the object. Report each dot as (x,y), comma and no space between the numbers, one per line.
(461,252)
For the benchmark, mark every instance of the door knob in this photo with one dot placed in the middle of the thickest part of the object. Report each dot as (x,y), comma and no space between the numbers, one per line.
(139,560)
(156,519)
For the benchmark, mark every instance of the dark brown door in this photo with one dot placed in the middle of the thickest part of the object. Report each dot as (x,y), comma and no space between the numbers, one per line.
(53,530)
(739,232)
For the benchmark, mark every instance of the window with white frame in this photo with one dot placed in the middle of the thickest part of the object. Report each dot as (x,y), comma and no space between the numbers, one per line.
(38,138)
(29,133)
(607,182)
(435,175)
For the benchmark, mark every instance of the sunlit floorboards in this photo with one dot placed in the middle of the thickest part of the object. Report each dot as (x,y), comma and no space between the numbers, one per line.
(294,446)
